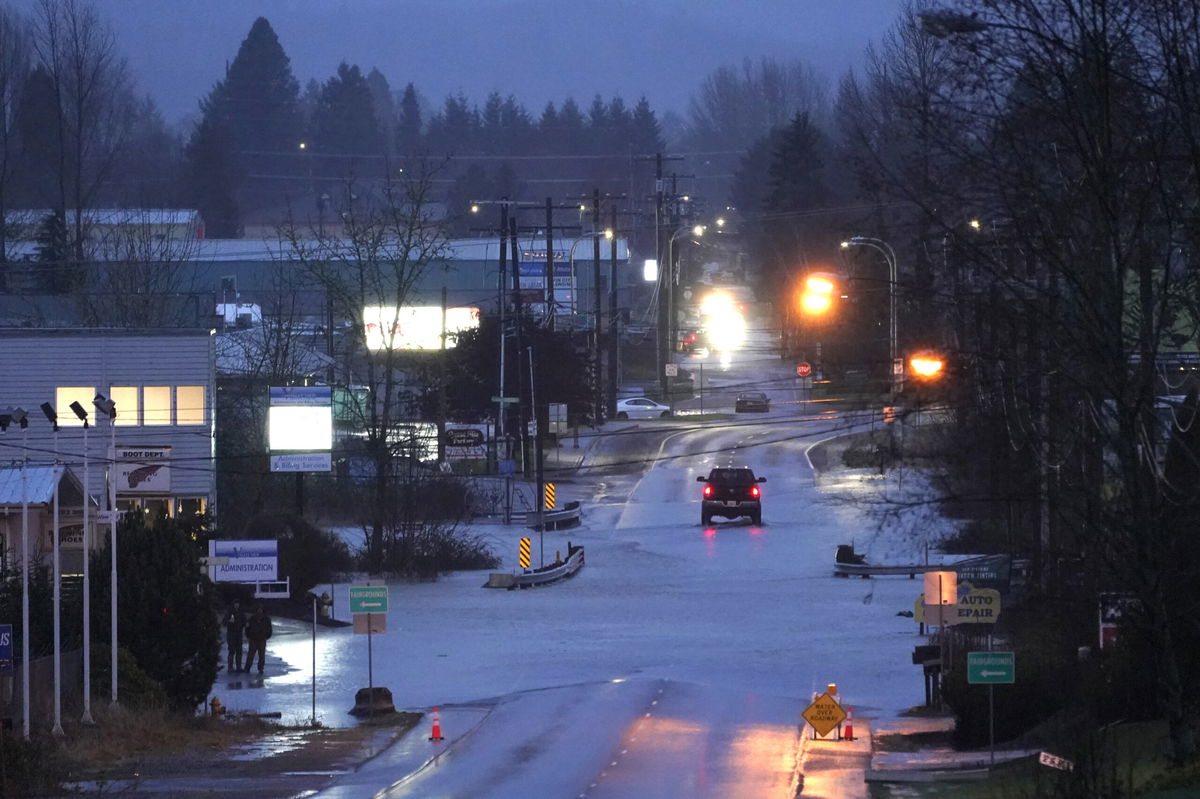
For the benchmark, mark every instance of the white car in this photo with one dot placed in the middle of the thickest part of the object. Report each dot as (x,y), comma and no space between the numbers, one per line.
(641,408)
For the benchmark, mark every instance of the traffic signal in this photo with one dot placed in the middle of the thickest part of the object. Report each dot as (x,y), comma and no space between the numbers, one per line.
(818,293)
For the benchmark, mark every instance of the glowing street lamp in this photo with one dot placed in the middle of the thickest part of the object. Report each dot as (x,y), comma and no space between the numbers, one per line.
(889,255)
(818,293)
(927,366)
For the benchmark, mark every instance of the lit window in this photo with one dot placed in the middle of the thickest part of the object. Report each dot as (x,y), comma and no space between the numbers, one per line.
(126,400)
(65,395)
(189,405)
(156,409)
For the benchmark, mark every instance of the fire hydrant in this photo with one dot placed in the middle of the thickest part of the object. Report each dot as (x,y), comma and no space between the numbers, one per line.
(217,707)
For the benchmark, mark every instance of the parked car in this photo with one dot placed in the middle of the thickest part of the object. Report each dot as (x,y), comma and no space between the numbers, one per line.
(752,401)
(642,408)
(731,492)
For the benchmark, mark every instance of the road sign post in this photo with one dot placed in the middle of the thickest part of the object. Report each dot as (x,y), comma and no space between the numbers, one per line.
(369,600)
(991,669)
(824,714)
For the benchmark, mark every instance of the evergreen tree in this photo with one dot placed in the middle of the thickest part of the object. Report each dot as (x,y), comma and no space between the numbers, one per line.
(37,133)
(455,129)
(213,177)
(344,122)
(149,162)
(385,109)
(517,124)
(548,130)
(646,135)
(14,67)
(597,125)
(308,102)
(168,619)
(796,178)
(53,254)
(493,137)
(258,104)
(620,127)
(408,126)
(571,126)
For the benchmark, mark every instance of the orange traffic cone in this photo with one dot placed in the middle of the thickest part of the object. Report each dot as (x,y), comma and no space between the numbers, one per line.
(849,732)
(436,735)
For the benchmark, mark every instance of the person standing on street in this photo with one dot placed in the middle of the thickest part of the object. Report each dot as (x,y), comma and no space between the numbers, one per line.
(235,624)
(258,630)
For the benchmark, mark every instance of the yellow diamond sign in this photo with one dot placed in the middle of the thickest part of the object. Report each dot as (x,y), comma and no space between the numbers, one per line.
(824,714)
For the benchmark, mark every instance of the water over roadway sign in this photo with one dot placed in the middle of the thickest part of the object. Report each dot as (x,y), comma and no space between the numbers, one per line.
(990,668)
(824,714)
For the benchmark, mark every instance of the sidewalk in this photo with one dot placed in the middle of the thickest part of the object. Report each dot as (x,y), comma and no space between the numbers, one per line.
(835,769)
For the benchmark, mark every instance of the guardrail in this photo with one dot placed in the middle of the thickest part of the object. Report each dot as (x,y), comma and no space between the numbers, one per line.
(568,515)
(543,576)
(870,570)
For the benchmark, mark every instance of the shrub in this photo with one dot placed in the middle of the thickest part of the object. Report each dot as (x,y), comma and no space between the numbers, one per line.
(167,615)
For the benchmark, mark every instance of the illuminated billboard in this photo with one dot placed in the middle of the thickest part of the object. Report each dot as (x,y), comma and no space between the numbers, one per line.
(415,327)
(300,428)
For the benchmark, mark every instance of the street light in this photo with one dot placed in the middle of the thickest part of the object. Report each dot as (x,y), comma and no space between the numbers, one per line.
(7,417)
(889,255)
(670,273)
(927,365)
(109,408)
(818,293)
(606,233)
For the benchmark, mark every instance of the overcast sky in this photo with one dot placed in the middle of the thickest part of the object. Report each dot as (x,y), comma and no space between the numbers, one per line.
(538,50)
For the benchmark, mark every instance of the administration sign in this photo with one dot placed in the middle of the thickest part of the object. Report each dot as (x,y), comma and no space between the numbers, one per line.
(824,714)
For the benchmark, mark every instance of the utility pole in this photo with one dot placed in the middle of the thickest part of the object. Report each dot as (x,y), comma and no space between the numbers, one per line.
(598,402)
(539,420)
(613,322)
(661,360)
(502,301)
(522,416)
(550,261)
(441,421)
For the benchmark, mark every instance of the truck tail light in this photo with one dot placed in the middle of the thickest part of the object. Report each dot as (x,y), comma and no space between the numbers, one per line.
(754,491)
(708,491)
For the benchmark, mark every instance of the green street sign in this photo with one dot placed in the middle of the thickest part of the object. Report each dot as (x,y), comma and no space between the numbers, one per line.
(991,668)
(506,400)
(368,599)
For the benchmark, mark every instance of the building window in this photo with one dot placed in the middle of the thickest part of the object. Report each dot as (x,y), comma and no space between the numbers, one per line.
(65,395)
(187,507)
(189,405)
(126,399)
(156,405)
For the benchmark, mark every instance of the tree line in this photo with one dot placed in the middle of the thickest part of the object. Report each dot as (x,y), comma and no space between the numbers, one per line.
(1033,164)
(75,132)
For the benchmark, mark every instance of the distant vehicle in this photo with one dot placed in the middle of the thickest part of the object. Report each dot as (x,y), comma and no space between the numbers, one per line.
(731,492)
(689,342)
(642,408)
(751,401)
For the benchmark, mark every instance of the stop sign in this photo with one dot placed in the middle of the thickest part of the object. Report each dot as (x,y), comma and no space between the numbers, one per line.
(803,369)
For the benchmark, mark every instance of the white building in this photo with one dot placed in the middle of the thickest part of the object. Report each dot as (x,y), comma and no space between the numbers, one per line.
(162,383)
